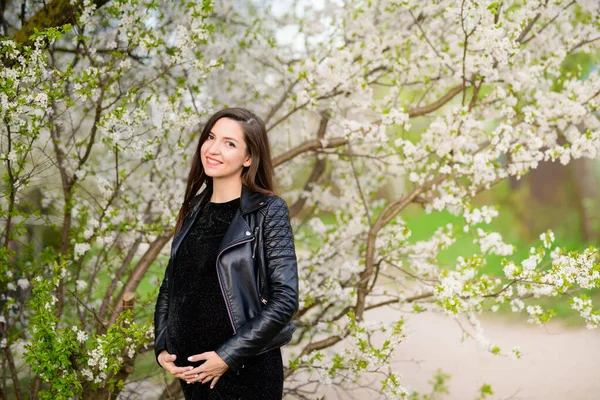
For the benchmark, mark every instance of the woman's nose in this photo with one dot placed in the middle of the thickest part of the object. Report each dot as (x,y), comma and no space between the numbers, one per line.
(213,148)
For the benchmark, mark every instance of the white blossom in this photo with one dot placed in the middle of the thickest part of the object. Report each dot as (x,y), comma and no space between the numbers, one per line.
(81,285)
(80,249)
(23,283)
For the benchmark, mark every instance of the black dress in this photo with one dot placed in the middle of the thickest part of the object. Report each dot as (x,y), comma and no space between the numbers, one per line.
(198,318)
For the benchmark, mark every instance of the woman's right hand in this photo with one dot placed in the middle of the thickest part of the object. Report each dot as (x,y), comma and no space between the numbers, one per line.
(167,361)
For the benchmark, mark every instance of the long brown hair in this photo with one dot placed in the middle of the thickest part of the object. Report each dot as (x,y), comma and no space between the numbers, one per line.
(258,177)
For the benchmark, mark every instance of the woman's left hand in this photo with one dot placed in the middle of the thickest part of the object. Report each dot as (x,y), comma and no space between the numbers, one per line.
(210,370)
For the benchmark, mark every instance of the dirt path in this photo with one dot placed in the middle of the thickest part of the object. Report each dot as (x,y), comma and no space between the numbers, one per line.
(557,363)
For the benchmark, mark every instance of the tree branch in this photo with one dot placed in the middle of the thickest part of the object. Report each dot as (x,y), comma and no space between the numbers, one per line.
(394,301)
(53,14)
(97,116)
(311,145)
(282,100)
(321,344)
(307,146)
(416,112)
(583,43)
(548,23)
(416,22)
(528,28)
(138,273)
(317,171)
(360,191)
(389,213)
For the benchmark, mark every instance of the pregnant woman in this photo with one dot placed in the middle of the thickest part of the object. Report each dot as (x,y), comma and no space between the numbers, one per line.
(230,289)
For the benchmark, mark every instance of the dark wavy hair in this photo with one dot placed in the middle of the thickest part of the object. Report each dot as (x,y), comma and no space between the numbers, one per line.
(258,177)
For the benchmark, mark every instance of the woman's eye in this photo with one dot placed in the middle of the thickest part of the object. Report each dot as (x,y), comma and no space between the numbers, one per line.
(231,144)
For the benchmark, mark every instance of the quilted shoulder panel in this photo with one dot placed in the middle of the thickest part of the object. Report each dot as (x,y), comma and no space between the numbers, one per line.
(277,233)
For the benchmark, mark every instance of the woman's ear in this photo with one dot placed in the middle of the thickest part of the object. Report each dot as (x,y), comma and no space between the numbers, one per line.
(248,161)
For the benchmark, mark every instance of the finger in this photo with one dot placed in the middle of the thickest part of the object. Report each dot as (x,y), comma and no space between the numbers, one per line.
(181,370)
(198,357)
(166,358)
(214,381)
(194,371)
(178,370)
(195,378)
(169,358)
(180,376)
(206,379)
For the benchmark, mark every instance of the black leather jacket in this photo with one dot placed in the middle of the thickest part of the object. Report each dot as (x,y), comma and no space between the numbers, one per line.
(259,233)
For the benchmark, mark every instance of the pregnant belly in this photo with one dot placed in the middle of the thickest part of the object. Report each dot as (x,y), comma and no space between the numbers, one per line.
(197,328)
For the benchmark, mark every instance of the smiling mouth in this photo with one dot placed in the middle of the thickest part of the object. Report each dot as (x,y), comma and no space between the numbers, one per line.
(212,161)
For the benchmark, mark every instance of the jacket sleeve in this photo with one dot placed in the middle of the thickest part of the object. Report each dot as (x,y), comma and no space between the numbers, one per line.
(282,275)
(160,315)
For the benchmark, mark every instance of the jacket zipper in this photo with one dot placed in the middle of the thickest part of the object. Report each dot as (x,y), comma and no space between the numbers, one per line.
(255,241)
(221,285)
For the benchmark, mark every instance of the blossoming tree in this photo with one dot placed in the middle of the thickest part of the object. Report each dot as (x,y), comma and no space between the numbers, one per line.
(443,99)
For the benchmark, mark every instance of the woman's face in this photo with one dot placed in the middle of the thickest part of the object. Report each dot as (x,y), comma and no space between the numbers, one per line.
(224,152)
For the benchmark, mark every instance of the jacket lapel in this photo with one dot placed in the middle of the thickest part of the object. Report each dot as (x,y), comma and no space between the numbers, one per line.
(238,231)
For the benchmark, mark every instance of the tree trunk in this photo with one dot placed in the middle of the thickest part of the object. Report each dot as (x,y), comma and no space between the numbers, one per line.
(53,14)
(585,189)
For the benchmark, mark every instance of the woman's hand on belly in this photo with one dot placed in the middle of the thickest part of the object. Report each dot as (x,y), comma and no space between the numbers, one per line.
(210,371)
(167,361)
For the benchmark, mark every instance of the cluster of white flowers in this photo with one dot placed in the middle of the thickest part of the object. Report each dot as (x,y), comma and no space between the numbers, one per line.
(484,214)
(517,305)
(105,187)
(80,285)
(317,226)
(567,271)
(393,389)
(88,9)
(23,283)
(50,304)
(97,360)
(396,116)
(585,308)
(491,243)
(97,357)
(547,239)
(93,224)
(535,312)
(81,335)
(80,249)
(11,156)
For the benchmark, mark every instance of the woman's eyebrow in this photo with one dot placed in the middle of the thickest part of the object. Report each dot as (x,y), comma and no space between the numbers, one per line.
(226,137)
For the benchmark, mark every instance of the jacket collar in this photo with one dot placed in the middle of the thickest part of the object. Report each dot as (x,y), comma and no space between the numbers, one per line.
(250,201)
(239,230)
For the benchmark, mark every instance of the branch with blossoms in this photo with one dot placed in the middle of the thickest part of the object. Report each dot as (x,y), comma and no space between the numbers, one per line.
(77,138)
(374,110)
